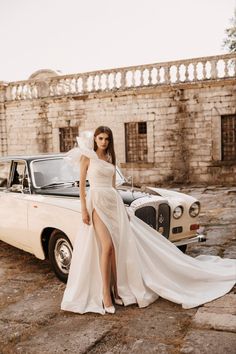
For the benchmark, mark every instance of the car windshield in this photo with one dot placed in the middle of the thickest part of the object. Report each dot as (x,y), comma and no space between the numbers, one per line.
(53,171)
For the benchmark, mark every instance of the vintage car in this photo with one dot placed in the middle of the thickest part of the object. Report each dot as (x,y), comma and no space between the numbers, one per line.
(40,208)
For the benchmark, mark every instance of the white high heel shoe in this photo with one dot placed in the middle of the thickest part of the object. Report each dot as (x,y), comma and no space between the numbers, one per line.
(119,302)
(109,309)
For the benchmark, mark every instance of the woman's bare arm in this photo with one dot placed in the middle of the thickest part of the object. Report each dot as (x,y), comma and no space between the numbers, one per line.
(84,163)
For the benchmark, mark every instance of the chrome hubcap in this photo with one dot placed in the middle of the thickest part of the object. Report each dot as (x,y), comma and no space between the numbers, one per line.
(63,254)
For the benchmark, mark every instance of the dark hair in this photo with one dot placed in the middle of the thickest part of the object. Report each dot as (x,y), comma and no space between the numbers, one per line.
(110,148)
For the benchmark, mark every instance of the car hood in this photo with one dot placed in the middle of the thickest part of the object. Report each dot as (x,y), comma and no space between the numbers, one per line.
(175,196)
(127,195)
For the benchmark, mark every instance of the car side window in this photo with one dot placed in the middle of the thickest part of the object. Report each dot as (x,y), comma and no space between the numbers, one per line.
(4,174)
(19,178)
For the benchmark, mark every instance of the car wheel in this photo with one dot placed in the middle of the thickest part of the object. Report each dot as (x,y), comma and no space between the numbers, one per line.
(60,254)
(183,248)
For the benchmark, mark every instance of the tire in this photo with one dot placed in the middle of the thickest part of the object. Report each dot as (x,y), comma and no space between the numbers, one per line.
(182,248)
(60,254)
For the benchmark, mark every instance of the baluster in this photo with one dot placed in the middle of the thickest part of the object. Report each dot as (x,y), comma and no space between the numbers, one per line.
(72,85)
(166,74)
(187,75)
(141,77)
(153,75)
(195,78)
(22,92)
(12,95)
(76,84)
(64,87)
(184,73)
(204,70)
(69,85)
(113,80)
(233,65)
(25,92)
(99,82)
(213,70)
(150,76)
(133,78)
(61,87)
(93,83)
(29,91)
(177,73)
(84,83)
(158,75)
(18,90)
(33,90)
(122,79)
(106,81)
(227,63)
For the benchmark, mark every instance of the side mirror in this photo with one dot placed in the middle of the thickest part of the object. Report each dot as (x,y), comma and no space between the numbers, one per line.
(131,181)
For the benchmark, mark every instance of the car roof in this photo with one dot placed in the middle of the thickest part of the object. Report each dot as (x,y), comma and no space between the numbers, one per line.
(30,157)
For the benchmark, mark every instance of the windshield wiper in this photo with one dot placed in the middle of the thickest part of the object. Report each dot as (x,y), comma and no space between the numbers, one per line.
(55,184)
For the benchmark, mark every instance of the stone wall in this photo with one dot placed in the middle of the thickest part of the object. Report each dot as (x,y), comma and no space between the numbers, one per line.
(183,119)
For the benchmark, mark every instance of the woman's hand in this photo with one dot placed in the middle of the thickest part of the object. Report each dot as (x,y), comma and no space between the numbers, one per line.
(85,217)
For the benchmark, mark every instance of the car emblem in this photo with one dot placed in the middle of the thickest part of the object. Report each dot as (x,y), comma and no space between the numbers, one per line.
(161,219)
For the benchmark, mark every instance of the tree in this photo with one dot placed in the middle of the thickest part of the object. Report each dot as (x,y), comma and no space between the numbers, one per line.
(230,41)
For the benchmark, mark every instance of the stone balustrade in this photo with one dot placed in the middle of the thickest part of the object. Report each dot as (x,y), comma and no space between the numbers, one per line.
(174,72)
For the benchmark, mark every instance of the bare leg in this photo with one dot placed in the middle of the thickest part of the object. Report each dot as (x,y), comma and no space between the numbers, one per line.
(106,256)
(114,273)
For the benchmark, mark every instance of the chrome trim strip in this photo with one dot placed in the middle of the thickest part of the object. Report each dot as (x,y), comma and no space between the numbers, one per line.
(198,238)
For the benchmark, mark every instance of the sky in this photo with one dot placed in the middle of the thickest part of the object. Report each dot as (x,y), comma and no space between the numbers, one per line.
(75,36)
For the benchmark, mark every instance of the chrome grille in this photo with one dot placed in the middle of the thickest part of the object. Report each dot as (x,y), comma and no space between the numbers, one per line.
(158,220)
(148,215)
(163,219)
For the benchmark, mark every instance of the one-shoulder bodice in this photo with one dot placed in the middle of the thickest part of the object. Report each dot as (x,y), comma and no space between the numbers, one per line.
(100,173)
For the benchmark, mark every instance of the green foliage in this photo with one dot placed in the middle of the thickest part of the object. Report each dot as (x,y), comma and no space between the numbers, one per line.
(230,41)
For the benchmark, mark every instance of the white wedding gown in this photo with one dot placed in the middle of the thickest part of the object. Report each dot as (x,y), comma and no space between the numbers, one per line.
(148,265)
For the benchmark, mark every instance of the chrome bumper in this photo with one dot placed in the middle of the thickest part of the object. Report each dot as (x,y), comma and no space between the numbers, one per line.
(198,238)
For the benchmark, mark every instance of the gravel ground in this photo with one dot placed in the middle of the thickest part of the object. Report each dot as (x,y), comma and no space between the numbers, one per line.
(30,295)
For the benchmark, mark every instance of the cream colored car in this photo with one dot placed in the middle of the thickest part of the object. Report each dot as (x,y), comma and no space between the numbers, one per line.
(40,208)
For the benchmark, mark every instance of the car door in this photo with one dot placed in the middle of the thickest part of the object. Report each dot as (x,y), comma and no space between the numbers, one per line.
(14,207)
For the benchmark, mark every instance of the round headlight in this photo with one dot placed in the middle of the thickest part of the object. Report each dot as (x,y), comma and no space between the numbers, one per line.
(178,211)
(194,210)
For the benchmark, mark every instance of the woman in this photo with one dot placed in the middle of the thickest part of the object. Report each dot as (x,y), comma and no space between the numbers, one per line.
(120,252)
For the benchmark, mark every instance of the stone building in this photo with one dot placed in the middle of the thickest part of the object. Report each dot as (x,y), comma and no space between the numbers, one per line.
(172,122)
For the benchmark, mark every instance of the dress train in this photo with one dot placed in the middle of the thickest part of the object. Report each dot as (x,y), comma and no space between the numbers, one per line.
(148,265)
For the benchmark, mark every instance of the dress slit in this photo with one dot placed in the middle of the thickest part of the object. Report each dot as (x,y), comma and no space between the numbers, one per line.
(103,221)
(113,279)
